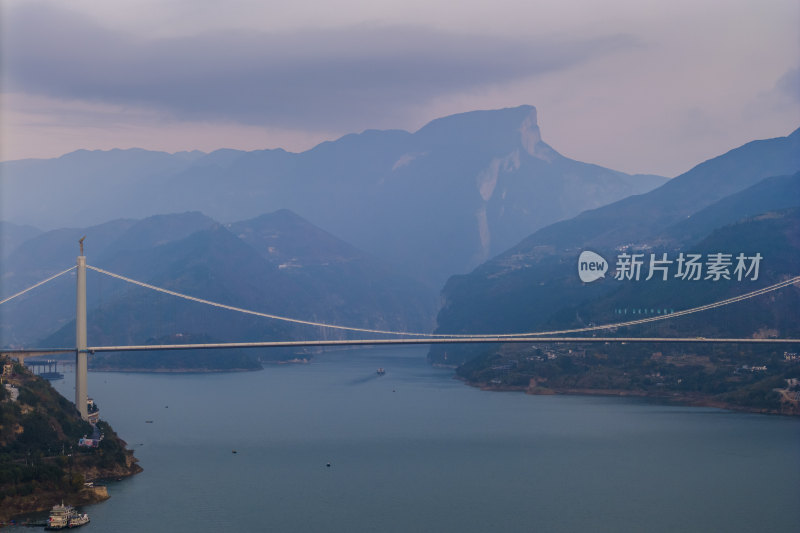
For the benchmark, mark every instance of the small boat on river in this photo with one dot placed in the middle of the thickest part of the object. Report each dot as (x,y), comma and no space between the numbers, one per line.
(381,371)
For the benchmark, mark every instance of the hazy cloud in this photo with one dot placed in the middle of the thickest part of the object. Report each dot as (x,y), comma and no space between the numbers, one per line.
(789,84)
(303,79)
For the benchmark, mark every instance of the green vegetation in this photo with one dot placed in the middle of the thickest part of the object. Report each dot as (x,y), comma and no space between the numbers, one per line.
(745,377)
(40,460)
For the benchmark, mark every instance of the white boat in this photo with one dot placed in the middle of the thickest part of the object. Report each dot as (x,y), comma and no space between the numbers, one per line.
(78,520)
(64,516)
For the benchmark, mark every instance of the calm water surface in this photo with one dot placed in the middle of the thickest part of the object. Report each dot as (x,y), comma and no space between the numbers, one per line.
(415,450)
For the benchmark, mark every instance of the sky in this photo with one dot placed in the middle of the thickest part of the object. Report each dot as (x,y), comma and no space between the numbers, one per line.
(635,85)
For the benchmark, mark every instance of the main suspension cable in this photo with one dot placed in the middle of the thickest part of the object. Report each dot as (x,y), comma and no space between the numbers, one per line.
(676,314)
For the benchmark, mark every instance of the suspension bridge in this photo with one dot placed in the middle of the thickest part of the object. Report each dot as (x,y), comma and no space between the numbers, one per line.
(81,349)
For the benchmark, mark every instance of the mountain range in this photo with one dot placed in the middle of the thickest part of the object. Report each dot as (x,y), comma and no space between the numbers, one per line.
(277,263)
(434,203)
(422,206)
(535,285)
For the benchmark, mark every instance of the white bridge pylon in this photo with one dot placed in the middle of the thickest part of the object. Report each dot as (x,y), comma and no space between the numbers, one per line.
(81,362)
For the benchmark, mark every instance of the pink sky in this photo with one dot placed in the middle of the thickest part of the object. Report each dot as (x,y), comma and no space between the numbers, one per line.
(637,86)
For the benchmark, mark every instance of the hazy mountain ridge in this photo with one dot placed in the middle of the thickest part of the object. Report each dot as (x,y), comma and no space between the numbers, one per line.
(751,377)
(775,234)
(770,194)
(12,235)
(435,202)
(647,214)
(534,285)
(313,276)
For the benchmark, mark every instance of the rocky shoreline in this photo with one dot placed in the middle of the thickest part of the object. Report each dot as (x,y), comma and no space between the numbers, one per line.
(42,501)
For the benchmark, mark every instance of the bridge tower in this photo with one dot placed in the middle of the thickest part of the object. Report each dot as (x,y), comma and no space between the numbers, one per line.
(81,370)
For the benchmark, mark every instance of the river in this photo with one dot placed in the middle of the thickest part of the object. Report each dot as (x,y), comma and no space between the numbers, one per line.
(416,450)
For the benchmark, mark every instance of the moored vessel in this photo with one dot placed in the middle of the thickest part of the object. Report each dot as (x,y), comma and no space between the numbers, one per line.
(65,516)
(78,520)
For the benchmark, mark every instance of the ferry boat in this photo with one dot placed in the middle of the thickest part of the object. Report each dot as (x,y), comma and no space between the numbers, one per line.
(65,516)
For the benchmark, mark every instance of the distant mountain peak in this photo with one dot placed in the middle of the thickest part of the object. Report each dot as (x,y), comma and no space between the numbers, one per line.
(530,135)
(489,128)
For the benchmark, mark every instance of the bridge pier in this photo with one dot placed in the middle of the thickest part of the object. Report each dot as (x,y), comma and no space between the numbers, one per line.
(81,365)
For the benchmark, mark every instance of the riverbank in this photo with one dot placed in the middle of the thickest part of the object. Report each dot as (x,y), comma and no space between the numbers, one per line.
(85,471)
(41,502)
(677,398)
(758,382)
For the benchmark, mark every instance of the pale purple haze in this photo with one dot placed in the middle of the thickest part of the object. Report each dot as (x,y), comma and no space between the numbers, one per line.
(634,85)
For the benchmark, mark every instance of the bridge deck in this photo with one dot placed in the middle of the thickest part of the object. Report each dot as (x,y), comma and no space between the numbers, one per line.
(378,342)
